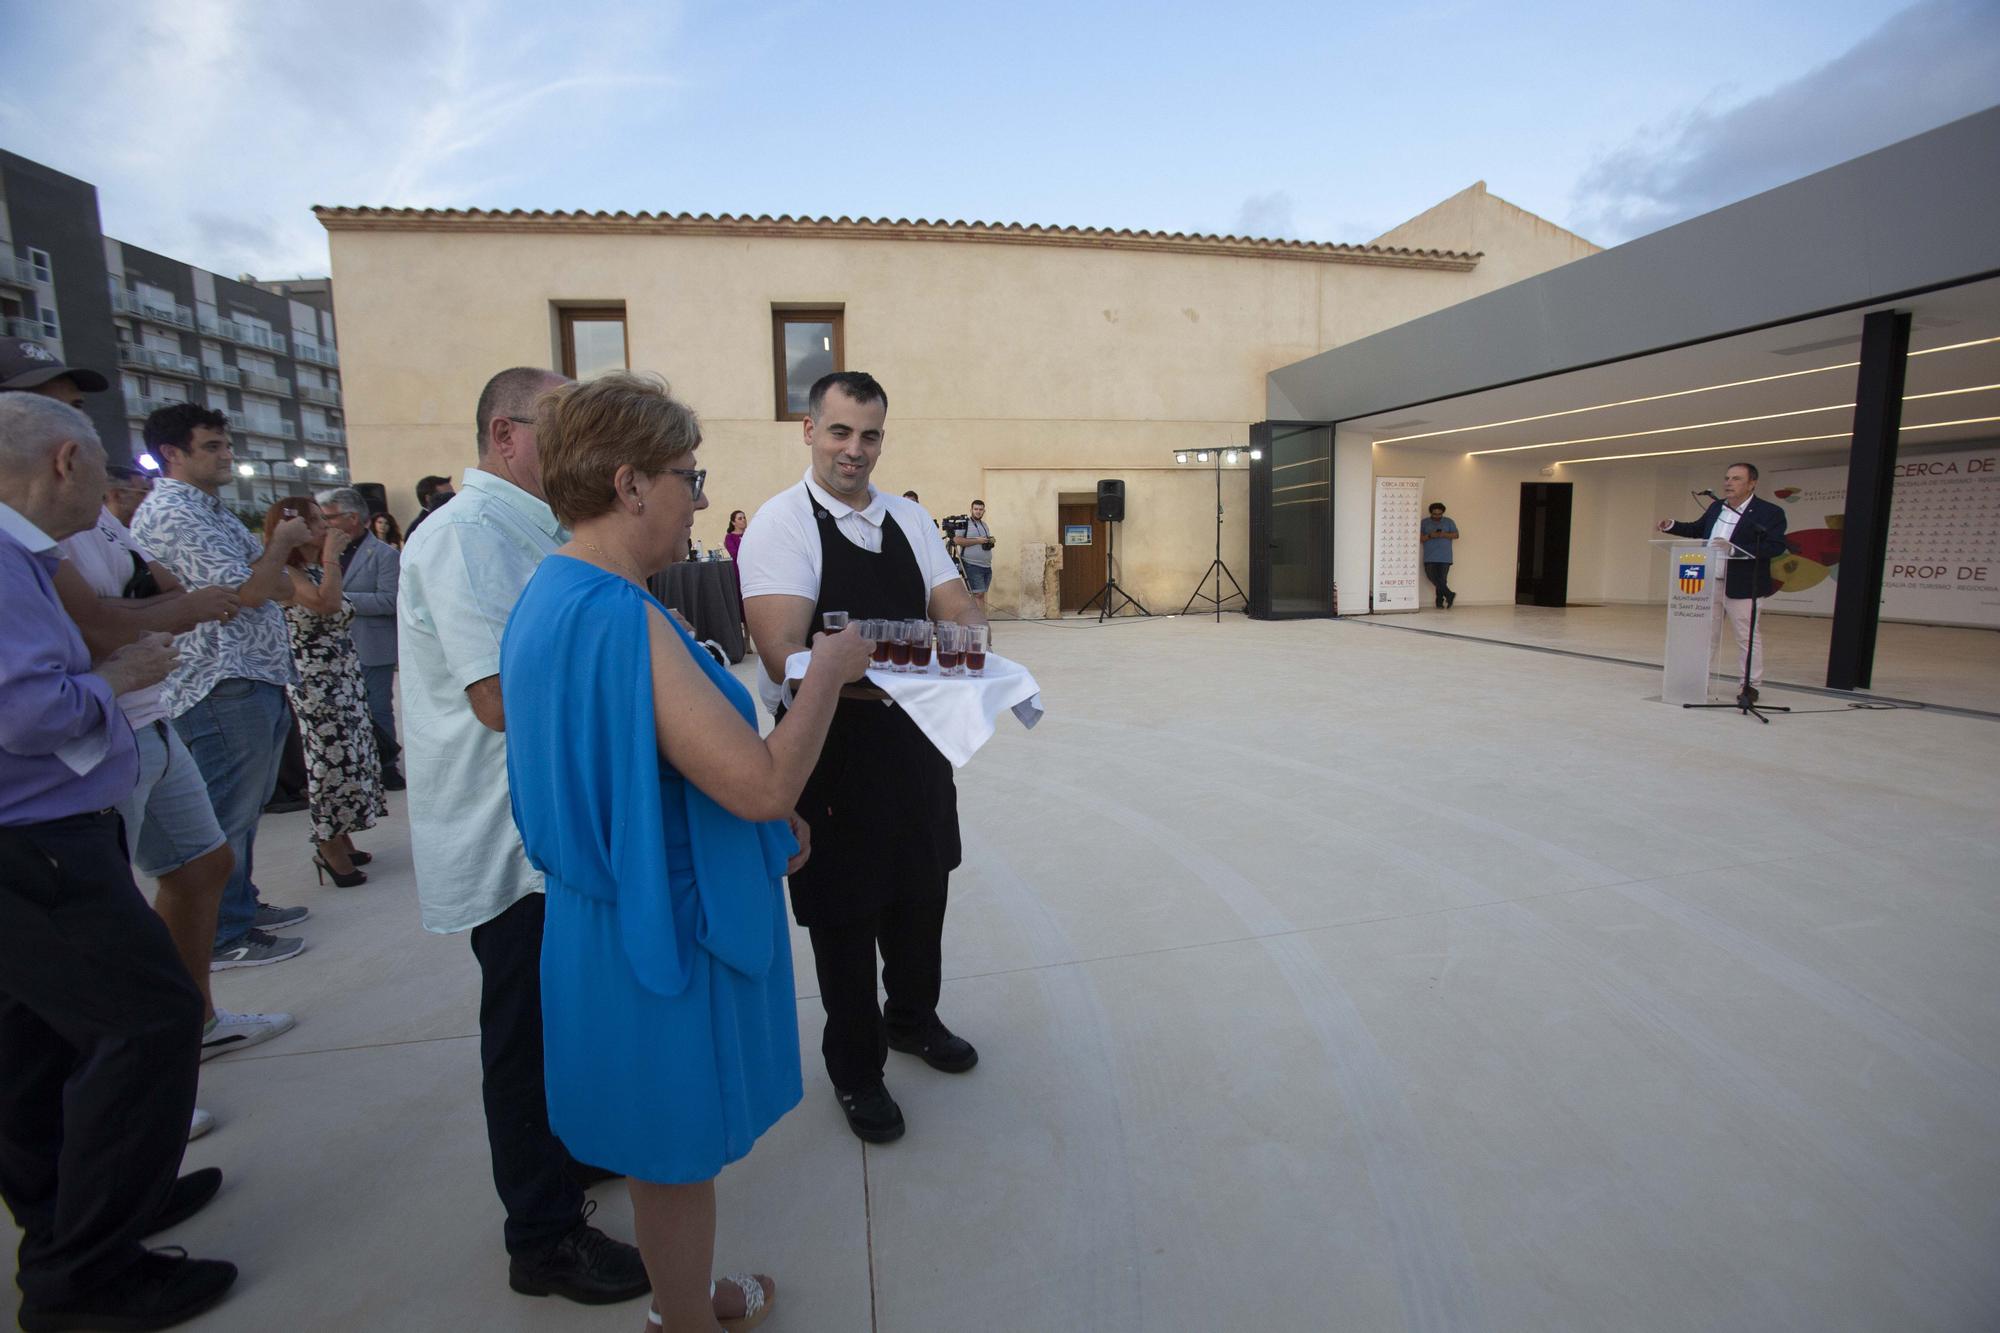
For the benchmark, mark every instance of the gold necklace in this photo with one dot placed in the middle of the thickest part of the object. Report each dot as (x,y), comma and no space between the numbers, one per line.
(603,555)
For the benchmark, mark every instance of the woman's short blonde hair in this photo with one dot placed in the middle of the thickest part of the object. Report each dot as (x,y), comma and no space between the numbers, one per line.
(586,432)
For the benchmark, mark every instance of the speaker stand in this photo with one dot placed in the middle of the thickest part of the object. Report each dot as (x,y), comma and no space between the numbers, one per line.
(1115,599)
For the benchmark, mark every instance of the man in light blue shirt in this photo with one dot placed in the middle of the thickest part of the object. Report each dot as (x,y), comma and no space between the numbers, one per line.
(1438,533)
(462,572)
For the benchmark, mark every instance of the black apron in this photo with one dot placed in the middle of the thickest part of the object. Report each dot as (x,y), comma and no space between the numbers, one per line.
(882,803)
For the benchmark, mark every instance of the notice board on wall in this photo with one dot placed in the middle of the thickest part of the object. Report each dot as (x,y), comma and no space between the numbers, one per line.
(1399,566)
(1943,563)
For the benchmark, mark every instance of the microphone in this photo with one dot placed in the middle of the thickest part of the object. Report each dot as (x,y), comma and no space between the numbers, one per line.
(1711,495)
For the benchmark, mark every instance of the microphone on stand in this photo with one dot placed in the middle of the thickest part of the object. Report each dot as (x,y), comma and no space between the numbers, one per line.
(1710,495)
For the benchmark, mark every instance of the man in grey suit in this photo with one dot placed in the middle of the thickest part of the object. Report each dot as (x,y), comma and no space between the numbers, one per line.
(370,571)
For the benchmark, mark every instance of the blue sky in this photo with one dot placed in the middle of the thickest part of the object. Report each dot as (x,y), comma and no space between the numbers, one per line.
(211,126)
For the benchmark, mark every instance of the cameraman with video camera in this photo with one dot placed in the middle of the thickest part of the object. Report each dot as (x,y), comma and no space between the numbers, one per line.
(971,541)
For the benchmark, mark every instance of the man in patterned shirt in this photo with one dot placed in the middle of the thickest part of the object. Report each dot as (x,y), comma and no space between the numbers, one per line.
(227,698)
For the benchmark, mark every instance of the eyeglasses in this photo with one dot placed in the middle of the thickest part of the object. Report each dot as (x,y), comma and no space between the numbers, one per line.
(522,421)
(697,477)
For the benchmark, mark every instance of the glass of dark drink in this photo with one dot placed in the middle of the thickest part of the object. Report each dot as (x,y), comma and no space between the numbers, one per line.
(975,649)
(876,632)
(833,622)
(920,646)
(950,648)
(899,645)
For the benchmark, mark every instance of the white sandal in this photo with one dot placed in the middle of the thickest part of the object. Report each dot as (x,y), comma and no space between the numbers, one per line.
(755,1308)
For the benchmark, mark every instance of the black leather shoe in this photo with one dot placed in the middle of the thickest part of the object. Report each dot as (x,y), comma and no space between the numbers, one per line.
(872,1113)
(587,1266)
(163,1289)
(1749,695)
(938,1047)
(189,1196)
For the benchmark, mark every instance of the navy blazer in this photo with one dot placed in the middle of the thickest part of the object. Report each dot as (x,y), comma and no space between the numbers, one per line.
(1760,531)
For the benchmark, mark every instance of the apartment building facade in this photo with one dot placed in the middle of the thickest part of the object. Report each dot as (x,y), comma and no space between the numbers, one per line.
(164,331)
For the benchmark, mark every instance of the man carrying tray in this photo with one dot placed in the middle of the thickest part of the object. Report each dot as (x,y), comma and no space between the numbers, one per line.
(881,804)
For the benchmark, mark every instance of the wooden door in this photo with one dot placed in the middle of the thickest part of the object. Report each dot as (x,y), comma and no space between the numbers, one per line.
(1083,571)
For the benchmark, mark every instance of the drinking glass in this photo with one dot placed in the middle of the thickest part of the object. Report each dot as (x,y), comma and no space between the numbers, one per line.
(899,645)
(975,649)
(877,633)
(920,646)
(833,621)
(950,648)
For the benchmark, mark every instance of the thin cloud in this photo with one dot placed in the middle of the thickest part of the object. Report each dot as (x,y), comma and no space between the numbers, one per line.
(1928,65)
(434,103)
(1269,216)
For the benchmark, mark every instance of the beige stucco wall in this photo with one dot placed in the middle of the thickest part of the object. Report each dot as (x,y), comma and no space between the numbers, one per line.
(1014,371)
(1517,244)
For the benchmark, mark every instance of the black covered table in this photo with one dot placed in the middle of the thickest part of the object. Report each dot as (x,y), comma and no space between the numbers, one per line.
(707,595)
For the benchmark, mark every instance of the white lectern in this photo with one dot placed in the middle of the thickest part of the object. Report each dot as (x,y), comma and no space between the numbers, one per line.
(1695,573)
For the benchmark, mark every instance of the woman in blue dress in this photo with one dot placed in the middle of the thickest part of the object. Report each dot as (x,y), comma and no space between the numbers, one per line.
(663,825)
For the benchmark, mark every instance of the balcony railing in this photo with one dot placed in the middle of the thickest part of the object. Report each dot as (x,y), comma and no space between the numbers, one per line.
(26,328)
(276,428)
(145,307)
(326,435)
(215,374)
(317,353)
(248,334)
(139,406)
(153,358)
(262,383)
(264,338)
(313,393)
(16,271)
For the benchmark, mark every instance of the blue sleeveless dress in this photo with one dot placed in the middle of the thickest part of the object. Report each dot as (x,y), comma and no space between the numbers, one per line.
(670,1023)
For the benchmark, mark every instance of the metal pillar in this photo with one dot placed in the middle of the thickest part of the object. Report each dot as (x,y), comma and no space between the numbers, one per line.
(1871,467)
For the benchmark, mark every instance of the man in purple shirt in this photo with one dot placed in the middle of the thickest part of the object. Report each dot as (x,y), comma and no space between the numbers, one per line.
(100,1024)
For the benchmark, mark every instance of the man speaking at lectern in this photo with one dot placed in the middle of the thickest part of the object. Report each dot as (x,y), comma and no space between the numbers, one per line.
(1757,526)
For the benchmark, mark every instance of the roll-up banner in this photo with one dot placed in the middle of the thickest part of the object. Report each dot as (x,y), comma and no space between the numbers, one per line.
(1399,566)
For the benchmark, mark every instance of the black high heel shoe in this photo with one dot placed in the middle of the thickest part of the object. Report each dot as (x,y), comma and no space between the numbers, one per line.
(347,881)
(361,858)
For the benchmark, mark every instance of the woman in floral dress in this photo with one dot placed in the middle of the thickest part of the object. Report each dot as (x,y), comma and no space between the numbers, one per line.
(331,700)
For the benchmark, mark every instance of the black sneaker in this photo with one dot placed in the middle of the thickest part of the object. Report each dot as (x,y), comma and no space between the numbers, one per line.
(872,1113)
(189,1196)
(163,1289)
(938,1046)
(587,1266)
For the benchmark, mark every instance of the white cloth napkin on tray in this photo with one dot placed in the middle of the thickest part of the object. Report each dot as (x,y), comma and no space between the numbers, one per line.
(958,713)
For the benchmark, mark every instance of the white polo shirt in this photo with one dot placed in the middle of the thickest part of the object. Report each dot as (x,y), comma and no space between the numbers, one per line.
(103,556)
(780,554)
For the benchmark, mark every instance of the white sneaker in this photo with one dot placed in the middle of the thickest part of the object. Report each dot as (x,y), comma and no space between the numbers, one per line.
(234,1032)
(202,1123)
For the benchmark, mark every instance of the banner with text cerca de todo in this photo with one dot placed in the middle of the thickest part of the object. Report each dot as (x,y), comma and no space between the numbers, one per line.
(1399,565)
(1943,565)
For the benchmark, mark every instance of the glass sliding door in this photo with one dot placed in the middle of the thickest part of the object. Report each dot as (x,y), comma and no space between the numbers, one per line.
(1291,520)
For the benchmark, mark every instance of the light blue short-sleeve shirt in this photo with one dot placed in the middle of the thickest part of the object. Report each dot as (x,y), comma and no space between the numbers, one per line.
(462,572)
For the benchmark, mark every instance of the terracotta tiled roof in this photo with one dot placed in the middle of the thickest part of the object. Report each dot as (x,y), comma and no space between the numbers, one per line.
(882,229)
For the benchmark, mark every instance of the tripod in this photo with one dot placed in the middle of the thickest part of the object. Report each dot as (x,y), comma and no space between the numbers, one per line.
(1216,569)
(1746,701)
(1115,598)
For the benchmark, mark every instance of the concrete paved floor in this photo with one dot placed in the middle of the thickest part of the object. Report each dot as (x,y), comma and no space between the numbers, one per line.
(1325,978)
(1933,664)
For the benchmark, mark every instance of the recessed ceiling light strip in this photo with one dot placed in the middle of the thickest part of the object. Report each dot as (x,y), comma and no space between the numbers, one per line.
(1677,393)
(1759,444)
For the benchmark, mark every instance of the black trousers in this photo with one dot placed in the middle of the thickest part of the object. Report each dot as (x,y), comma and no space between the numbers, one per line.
(1437,571)
(910,936)
(531,1168)
(100,1041)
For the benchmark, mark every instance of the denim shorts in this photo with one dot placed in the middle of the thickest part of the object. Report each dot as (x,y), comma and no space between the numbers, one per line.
(978,578)
(169,808)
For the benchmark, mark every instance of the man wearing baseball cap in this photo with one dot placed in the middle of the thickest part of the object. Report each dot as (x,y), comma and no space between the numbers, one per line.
(28,366)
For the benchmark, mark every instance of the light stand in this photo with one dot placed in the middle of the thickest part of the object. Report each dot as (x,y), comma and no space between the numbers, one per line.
(1217,571)
(1116,599)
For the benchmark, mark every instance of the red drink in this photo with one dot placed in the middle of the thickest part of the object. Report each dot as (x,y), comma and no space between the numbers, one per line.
(920,655)
(881,654)
(975,662)
(948,661)
(899,653)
